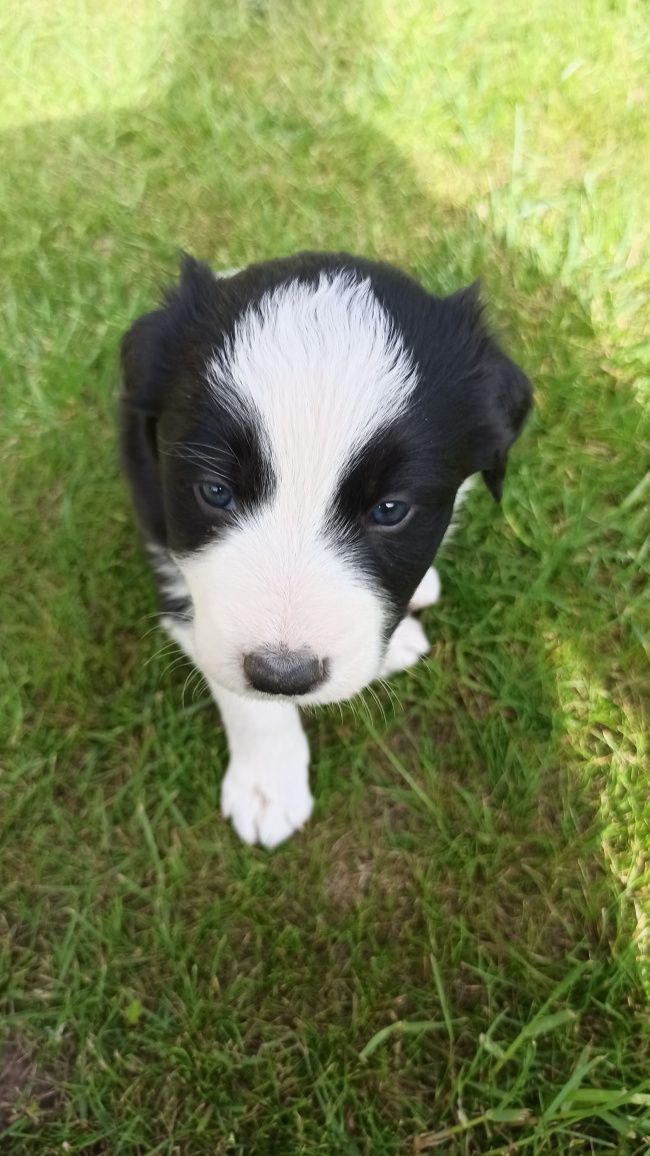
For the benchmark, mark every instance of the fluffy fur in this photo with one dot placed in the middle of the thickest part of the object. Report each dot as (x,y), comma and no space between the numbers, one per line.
(314,395)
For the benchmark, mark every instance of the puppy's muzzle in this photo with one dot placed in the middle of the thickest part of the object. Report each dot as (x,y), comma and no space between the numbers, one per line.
(282,671)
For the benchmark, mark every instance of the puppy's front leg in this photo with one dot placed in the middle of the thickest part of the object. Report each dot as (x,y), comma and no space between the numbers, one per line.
(428,592)
(407,644)
(266,789)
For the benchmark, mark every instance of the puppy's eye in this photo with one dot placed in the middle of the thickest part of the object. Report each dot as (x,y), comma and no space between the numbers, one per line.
(389,513)
(214,496)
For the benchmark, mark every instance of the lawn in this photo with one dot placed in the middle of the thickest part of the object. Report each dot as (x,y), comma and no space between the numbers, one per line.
(454,955)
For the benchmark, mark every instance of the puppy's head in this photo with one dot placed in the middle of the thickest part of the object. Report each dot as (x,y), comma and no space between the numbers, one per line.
(296,435)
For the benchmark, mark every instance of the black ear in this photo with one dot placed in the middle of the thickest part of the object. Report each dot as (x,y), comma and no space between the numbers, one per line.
(139,409)
(198,290)
(150,347)
(152,351)
(512,401)
(498,392)
(139,354)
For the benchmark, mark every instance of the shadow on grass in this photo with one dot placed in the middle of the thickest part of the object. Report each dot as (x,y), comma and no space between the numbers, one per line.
(455,871)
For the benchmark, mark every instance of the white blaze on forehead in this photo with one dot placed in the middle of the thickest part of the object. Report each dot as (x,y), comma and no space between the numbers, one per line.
(318,369)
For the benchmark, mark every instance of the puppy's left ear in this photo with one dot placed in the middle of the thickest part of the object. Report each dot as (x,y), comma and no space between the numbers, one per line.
(500,393)
(512,400)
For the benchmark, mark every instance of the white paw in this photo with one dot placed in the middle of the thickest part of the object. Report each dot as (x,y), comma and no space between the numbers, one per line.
(427,592)
(266,804)
(407,645)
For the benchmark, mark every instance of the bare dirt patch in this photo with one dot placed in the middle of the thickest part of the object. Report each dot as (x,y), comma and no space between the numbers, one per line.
(24,1087)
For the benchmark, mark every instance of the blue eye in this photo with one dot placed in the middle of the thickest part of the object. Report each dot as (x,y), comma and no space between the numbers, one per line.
(214,496)
(389,513)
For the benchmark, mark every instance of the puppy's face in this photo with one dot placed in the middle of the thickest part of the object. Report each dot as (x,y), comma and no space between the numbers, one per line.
(296,435)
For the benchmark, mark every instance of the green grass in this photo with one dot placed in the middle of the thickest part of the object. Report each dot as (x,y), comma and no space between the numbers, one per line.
(453,956)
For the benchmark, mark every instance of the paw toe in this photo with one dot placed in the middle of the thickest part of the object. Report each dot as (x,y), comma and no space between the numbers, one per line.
(261,811)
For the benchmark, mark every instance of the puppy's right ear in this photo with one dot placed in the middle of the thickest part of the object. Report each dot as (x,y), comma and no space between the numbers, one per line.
(150,358)
(140,407)
(139,354)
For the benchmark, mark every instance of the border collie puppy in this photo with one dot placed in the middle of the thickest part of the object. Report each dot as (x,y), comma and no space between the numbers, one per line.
(295,435)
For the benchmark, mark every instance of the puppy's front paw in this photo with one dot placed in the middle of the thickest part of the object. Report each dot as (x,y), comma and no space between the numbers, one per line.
(427,592)
(407,645)
(266,803)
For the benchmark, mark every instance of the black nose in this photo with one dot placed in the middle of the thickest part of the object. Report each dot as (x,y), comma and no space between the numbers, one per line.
(284,671)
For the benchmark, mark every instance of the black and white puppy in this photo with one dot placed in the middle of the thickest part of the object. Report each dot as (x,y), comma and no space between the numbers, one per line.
(295,435)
